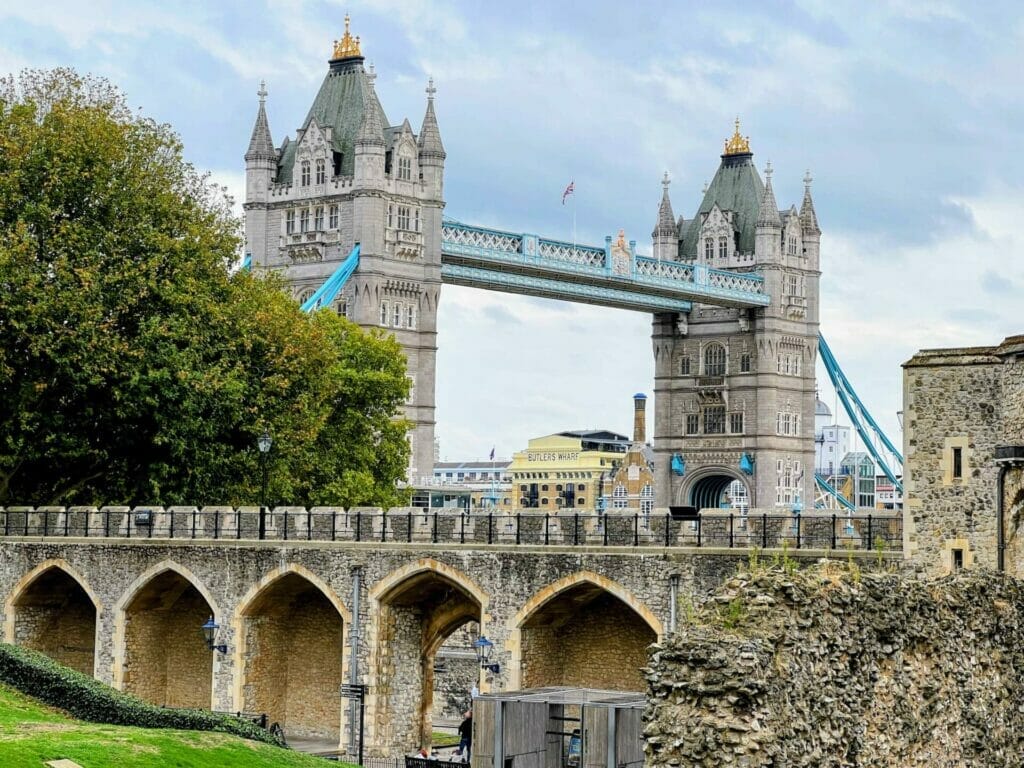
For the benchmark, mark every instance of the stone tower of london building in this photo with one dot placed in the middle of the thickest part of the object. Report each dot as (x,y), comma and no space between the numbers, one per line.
(735,388)
(349,176)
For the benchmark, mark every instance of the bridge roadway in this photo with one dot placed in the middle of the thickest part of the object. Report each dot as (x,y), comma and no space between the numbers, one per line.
(129,609)
(532,265)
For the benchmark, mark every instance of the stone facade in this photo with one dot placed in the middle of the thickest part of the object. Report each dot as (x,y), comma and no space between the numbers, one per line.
(959,406)
(349,177)
(736,383)
(832,667)
(285,613)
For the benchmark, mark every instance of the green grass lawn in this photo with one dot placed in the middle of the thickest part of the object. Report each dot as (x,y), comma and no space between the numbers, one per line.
(442,739)
(31,734)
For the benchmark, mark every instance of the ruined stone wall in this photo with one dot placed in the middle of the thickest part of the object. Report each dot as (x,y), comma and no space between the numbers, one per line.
(831,668)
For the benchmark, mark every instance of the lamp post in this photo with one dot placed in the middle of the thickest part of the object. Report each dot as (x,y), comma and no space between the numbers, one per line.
(264,442)
(209,630)
(483,648)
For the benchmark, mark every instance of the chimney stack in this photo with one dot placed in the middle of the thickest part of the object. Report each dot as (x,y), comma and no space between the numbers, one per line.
(639,418)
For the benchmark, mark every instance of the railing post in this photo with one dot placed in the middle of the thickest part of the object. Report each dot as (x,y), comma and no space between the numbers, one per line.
(216,524)
(46,522)
(194,512)
(334,526)
(106,523)
(764,530)
(668,525)
(433,533)
(383,526)
(798,518)
(517,528)
(700,528)
(575,528)
(238,523)
(7,523)
(545,528)
(731,539)
(490,527)
(462,529)
(129,528)
(359,525)
(67,518)
(408,529)
(171,530)
(636,529)
(870,540)
(833,530)
(309,525)
(604,529)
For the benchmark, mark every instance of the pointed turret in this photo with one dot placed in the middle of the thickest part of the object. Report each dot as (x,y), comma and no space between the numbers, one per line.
(666,233)
(768,213)
(431,149)
(371,131)
(808,218)
(261,145)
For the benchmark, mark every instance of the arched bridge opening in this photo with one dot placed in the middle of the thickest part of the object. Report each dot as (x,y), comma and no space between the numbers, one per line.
(718,491)
(53,614)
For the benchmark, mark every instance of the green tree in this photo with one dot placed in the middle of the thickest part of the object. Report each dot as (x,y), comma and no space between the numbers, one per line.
(134,367)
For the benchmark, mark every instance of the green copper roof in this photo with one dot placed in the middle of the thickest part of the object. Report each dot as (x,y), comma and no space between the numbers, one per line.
(736,187)
(338,104)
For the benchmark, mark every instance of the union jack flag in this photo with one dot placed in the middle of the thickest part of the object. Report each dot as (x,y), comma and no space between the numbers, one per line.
(569,190)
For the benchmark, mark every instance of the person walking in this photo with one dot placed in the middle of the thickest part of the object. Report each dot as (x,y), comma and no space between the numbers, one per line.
(466,735)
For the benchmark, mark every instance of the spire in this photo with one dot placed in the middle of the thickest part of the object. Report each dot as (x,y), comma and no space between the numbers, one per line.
(768,213)
(348,46)
(808,218)
(430,134)
(261,145)
(666,219)
(370,129)
(737,145)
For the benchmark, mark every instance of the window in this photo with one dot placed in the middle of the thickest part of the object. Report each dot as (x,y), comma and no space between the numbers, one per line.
(684,365)
(647,499)
(723,247)
(289,222)
(410,316)
(337,158)
(342,307)
(580,501)
(579,486)
(958,463)
(692,423)
(416,226)
(304,220)
(543,487)
(383,313)
(796,365)
(544,501)
(305,296)
(391,216)
(714,360)
(403,217)
(332,221)
(714,420)
(958,558)
(745,362)
(318,219)
(321,172)
(398,315)
(305,173)
(709,248)
(736,423)
(620,497)
(791,246)
(405,168)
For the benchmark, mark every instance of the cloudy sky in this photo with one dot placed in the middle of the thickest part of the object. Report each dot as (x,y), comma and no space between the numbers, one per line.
(907,113)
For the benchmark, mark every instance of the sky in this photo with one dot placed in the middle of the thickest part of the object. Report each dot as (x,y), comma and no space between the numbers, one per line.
(908,115)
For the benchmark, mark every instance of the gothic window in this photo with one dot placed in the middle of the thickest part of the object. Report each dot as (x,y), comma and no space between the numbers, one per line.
(304,220)
(391,216)
(714,360)
(723,247)
(684,365)
(398,315)
(405,168)
(318,218)
(796,365)
(791,246)
(332,222)
(289,222)
(410,316)
(709,248)
(714,420)
(305,173)
(647,499)
(416,226)
(305,296)
(321,172)
(793,286)
(736,423)
(403,217)
(745,362)
(692,423)
(383,313)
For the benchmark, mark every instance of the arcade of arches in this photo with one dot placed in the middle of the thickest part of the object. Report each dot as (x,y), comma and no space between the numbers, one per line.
(54,615)
(292,647)
(415,617)
(585,636)
(166,660)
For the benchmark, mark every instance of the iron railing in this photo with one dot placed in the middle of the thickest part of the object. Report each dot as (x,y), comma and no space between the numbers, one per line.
(616,528)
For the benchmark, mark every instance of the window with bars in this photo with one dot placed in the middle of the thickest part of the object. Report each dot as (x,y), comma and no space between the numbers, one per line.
(403,217)
(723,247)
(304,220)
(332,221)
(709,248)
(791,245)
(714,360)
(692,423)
(736,423)
(318,219)
(289,222)
(405,168)
(745,362)
(647,499)
(714,420)
(305,173)
(321,171)
(794,285)
(684,365)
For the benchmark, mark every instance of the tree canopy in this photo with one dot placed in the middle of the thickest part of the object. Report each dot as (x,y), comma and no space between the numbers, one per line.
(134,367)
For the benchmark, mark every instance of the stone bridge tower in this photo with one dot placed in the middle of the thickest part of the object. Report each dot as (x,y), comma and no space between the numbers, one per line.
(348,177)
(735,388)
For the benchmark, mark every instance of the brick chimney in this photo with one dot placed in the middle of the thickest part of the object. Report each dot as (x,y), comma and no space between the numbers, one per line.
(639,417)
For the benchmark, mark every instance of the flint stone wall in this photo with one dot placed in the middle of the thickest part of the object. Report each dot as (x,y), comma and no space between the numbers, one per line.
(821,668)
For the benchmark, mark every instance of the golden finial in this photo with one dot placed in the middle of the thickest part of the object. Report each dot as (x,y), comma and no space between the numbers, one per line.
(737,145)
(348,46)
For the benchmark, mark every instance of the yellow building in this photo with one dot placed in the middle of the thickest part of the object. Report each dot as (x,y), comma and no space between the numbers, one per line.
(567,470)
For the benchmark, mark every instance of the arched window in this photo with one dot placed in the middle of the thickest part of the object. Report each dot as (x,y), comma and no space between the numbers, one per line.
(321,172)
(620,497)
(714,360)
(684,365)
(305,173)
(318,218)
(647,499)
(723,247)
(305,296)
(709,248)
(405,168)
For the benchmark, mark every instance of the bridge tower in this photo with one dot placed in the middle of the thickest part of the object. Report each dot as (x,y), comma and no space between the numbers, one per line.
(348,177)
(735,388)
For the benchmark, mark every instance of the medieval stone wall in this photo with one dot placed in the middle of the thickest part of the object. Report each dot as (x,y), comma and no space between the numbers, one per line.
(831,667)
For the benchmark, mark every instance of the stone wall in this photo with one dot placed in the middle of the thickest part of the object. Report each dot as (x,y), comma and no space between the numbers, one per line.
(830,667)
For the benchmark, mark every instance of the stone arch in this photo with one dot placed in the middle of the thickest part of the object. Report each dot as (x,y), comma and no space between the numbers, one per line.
(582,630)
(290,631)
(705,485)
(160,654)
(53,610)
(418,611)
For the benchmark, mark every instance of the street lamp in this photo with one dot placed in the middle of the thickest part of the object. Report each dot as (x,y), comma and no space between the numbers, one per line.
(483,648)
(210,635)
(264,442)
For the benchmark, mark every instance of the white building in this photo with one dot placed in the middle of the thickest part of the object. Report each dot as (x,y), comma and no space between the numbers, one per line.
(831,441)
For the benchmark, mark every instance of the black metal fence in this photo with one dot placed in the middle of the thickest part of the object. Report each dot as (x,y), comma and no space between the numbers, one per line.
(618,528)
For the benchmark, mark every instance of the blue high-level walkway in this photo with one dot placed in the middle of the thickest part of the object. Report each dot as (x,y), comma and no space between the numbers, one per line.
(529,264)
